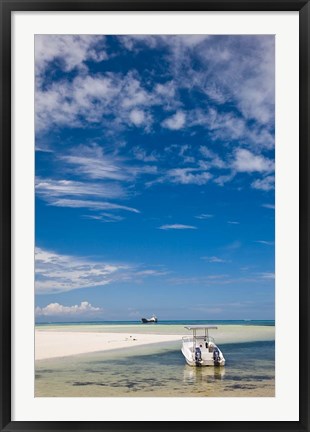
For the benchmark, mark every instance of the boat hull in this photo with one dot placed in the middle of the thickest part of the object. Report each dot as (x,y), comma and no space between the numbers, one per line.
(148,321)
(207,358)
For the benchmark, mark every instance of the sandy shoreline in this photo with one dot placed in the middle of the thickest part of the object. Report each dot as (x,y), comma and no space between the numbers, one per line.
(58,343)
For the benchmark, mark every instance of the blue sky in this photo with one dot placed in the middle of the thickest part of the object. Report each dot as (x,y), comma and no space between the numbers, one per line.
(154,177)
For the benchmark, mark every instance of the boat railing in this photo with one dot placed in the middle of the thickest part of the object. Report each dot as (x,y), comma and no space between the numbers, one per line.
(187,339)
(191,339)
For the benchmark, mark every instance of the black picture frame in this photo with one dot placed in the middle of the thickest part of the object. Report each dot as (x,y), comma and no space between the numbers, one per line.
(7,7)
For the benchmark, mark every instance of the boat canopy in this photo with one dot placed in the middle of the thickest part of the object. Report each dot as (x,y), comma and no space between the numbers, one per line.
(200,327)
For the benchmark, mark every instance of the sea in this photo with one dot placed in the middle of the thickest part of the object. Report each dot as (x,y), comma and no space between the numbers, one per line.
(157,370)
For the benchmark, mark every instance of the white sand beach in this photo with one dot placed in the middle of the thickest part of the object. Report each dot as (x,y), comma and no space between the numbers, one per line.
(53,343)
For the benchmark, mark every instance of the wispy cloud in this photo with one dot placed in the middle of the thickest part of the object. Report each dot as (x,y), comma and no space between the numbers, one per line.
(151,272)
(56,273)
(233,222)
(269,206)
(213,159)
(105,217)
(265,242)
(268,275)
(187,176)
(204,216)
(221,279)
(56,309)
(91,205)
(91,161)
(50,188)
(177,227)
(213,259)
(60,273)
(265,184)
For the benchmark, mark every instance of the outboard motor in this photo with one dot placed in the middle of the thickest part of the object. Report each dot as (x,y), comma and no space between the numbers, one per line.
(198,358)
(216,356)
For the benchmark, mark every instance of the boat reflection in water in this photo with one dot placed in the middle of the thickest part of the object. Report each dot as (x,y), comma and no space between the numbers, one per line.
(198,375)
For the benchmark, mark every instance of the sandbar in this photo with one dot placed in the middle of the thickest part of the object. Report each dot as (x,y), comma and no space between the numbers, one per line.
(53,343)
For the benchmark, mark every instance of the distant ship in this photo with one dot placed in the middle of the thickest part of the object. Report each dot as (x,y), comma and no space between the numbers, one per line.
(153,319)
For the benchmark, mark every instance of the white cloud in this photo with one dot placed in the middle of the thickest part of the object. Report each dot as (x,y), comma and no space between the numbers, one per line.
(56,309)
(269,206)
(246,161)
(48,188)
(105,217)
(92,205)
(110,99)
(91,161)
(267,275)
(137,117)
(60,273)
(188,176)
(151,273)
(175,122)
(56,273)
(233,222)
(213,159)
(177,227)
(265,184)
(204,216)
(265,242)
(95,165)
(243,69)
(213,259)
(141,155)
(71,51)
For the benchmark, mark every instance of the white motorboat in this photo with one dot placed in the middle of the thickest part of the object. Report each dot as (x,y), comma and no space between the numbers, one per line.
(153,319)
(200,349)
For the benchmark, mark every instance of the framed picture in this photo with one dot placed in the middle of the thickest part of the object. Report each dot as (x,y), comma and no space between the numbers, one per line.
(154,215)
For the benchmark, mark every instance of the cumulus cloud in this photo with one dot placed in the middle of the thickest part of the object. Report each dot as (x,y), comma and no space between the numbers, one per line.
(107,99)
(175,122)
(71,51)
(56,309)
(265,184)
(177,227)
(246,161)
(137,117)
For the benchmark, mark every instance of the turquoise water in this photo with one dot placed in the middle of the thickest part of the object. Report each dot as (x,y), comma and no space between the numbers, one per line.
(159,370)
(167,322)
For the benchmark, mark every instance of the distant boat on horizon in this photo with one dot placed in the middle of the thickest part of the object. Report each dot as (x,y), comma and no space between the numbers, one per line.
(153,319)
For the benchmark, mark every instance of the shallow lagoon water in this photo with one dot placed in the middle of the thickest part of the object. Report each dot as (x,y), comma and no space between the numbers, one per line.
(159,370)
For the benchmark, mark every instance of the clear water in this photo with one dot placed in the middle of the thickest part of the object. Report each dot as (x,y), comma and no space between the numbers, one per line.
(161,323)
(159,370)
